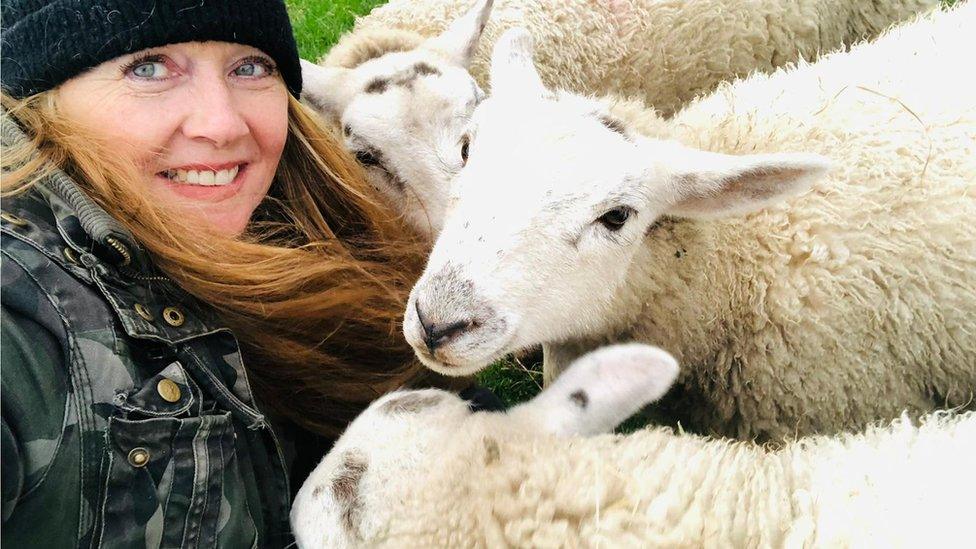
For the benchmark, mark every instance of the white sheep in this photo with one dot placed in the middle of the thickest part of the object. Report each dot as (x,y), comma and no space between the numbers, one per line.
(830,311)
(418,469)
(404,123)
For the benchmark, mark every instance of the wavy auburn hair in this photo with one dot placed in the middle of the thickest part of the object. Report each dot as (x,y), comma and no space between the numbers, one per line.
(315,288)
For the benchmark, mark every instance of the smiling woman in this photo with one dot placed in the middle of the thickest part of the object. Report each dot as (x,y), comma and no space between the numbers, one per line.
(193,272)
(205,122)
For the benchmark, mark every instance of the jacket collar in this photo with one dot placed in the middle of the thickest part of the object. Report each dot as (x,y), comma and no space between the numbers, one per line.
(72,207)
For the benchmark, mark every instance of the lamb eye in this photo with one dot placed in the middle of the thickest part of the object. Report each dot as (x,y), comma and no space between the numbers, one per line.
(465,145)
(614,219)
(367,158)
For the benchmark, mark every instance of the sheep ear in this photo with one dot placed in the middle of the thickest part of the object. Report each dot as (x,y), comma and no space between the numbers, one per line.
(460,40)
(600,390)
(706,184)
(328,90)
(513,72)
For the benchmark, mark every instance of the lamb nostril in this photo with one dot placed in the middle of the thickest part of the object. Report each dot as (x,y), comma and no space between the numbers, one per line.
(436,335)
(439,335)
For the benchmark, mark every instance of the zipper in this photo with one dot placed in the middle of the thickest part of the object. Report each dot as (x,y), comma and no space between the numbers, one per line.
(121,249)
(124,268)
(135,275)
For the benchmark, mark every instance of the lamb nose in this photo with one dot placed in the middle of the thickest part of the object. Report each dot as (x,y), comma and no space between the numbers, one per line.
(437,334)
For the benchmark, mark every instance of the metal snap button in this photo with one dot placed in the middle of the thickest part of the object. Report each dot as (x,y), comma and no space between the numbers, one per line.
(70,255)
(142,311)
(169,390)
(138,457)
(13,219)
(173,316)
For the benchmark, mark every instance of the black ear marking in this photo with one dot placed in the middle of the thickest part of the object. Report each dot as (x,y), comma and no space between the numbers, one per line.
(423,69)
(580,398)
(345,488)
(377,85)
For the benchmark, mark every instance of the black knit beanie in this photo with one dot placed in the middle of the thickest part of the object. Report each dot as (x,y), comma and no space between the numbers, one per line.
(45,42)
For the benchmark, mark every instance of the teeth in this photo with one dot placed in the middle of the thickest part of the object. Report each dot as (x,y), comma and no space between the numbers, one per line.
(208,178)
(224,177)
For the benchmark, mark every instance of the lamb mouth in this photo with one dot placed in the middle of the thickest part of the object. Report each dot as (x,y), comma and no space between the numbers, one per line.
(468,367)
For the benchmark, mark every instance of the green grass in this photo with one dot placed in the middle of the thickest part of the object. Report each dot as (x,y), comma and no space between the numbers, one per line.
(318,24)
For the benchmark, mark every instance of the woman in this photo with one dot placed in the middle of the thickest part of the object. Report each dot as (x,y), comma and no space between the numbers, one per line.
(166,196)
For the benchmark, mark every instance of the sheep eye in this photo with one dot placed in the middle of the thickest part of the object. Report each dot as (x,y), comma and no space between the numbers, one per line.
(465,145)
(614,219)
(366,158)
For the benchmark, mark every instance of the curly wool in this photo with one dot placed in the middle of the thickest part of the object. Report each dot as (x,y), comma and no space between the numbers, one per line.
(435,475)
(853,302)
(664,52)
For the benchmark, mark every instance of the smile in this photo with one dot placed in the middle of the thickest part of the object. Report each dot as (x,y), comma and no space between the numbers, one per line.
(203,177)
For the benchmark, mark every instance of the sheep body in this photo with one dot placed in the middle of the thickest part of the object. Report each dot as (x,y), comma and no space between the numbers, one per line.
(842,307)
(858,299)
(664,52)
(417,469)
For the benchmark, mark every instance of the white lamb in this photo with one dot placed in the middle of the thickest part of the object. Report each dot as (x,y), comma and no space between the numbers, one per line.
(836,309)
(403,100)
(418,469)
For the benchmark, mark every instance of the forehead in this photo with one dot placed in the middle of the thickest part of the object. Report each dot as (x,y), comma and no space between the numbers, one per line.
(413,84)
(545,148)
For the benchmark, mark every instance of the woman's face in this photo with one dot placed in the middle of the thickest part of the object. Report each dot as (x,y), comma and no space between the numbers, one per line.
(205,122)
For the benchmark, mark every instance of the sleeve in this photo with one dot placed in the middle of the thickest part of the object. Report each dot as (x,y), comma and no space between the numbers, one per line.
(34,390)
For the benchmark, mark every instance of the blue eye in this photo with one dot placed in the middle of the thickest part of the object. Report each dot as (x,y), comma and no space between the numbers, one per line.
(253,69)
(152,69)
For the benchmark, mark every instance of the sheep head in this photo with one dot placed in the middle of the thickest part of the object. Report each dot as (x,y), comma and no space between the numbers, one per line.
(404,435)
(403,115)
(547,216)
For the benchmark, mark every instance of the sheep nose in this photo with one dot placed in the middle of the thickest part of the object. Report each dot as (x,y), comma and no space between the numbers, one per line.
(437,334)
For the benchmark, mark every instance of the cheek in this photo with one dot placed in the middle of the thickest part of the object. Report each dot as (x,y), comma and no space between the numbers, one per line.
(267,118)
(128,125)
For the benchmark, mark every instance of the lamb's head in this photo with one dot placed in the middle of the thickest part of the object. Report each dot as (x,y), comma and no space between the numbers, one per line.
(362,484)
(550,212)
(403,115)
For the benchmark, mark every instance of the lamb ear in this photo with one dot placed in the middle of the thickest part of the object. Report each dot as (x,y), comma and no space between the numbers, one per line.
(328,90)
(600,390)
(513,73)
(460,40)
(705,184)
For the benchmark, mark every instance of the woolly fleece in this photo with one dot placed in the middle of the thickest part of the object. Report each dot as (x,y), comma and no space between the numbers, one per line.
(440,476)
(664,52)
(853,302)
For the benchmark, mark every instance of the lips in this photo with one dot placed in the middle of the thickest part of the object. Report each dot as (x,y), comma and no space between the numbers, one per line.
(209,183)
(204,175)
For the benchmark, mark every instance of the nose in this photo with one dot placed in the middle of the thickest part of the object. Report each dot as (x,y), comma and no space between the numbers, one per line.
(215,116)
(437,334)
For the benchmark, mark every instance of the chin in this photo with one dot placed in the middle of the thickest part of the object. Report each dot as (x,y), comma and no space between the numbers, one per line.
(228,222)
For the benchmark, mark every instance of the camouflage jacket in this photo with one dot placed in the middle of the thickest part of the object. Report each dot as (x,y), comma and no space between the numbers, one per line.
(128,420)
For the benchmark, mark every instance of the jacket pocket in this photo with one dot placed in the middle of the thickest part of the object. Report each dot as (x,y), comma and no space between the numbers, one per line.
(166,481)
